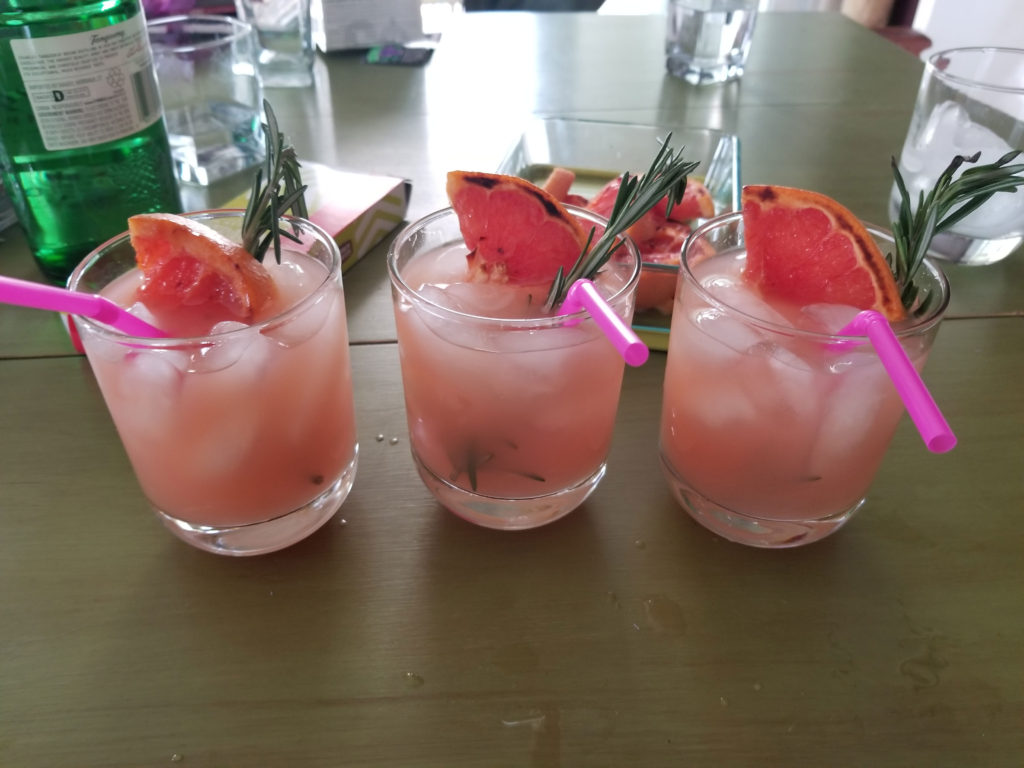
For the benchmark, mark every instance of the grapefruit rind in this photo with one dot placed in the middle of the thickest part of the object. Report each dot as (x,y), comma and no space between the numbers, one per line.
(806,248)
(187,263)
(515,231)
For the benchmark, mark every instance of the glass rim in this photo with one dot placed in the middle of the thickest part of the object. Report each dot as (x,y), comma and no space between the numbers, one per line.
(177,342)
(904,328)
(204,22)
(520,323)
(948,53)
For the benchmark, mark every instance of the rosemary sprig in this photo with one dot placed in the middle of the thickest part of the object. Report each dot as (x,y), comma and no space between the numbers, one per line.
(948,202)
(637,195)
(267,203)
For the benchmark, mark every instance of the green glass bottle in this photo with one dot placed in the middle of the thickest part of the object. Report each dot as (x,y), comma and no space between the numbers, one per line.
(83,144)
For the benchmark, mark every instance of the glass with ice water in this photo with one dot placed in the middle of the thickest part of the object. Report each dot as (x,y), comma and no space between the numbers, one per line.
(970,100)
(772,426)
(707,41)
(243,440)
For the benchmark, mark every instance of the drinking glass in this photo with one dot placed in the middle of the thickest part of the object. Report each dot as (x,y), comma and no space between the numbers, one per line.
(970,100)
(771,436)
(707,41)
(510,418)
(244,440)
(206,66)
(285,34)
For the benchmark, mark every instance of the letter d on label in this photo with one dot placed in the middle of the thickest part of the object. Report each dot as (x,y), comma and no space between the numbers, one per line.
(58,95)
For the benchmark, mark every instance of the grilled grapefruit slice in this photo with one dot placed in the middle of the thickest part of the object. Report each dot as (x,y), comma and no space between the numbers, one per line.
(806,248)
(186,263)
(516,232)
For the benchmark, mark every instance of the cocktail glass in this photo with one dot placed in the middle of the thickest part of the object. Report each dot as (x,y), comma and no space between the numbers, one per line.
(771,436)
(510,418)
(244,440)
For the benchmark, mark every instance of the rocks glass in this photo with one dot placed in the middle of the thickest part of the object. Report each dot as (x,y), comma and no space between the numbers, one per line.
(244,440)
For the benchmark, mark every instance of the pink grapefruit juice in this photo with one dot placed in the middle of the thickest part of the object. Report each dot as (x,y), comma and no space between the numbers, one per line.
(762,413)
(232,424)
(503,399)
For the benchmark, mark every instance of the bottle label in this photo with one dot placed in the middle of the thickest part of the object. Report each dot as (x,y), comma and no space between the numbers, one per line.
(92,87)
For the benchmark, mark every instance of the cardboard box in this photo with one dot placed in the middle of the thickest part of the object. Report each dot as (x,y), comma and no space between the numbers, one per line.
(358,209)
(340,25)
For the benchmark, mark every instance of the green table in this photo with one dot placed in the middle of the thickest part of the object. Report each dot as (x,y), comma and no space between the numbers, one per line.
(624,634)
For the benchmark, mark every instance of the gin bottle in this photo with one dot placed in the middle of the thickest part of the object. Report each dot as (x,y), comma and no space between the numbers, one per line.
(83,144)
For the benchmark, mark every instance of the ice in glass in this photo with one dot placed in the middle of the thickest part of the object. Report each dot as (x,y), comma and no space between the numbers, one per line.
(970,101)
(772,426)
(510,408)
(242,436)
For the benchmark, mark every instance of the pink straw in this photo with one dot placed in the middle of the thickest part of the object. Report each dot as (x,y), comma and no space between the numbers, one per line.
(24,293)
(920,405)
(583,295)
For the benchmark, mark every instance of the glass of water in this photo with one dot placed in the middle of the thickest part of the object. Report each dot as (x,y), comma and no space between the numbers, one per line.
(970,100)
(284,30)
(707,41)
(211,92)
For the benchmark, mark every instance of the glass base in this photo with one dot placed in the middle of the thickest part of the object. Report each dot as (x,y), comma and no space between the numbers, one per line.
(691,73)
(508,514)
(961,249)
(212,141)
(971,251)
(752,531)
(286,70)
(270,535)
(287,78)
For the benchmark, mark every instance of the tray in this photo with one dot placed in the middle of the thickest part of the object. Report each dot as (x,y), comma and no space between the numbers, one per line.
(598,151)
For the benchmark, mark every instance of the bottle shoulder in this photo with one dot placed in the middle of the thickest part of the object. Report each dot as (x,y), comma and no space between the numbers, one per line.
(24,18)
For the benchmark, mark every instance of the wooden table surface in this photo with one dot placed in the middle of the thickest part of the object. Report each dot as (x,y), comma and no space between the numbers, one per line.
(624,634)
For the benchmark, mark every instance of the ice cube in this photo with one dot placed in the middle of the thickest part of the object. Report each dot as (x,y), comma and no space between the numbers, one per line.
(792,385)
(1002,215)
(148,387)
(950,131)
(737,294)
(143,312)
(725,405)
(851,414)
(827,318)
(721,335)
(233,339)
(304,323)
(227,394)
(289,276)
(485,299)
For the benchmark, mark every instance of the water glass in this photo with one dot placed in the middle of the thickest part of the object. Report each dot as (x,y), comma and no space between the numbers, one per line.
(210,87)
(510,417)
(707,41)
(285,34)
(970,100)
(244,440)
(771,436)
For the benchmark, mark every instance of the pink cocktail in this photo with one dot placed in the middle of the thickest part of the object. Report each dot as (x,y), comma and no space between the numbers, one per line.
(242,436)
(773,426)
(510,407)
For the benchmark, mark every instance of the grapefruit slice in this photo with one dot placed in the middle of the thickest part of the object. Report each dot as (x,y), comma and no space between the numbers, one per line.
(696,204)
(516,232)
(559,182)
(806,248)
(186,263)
